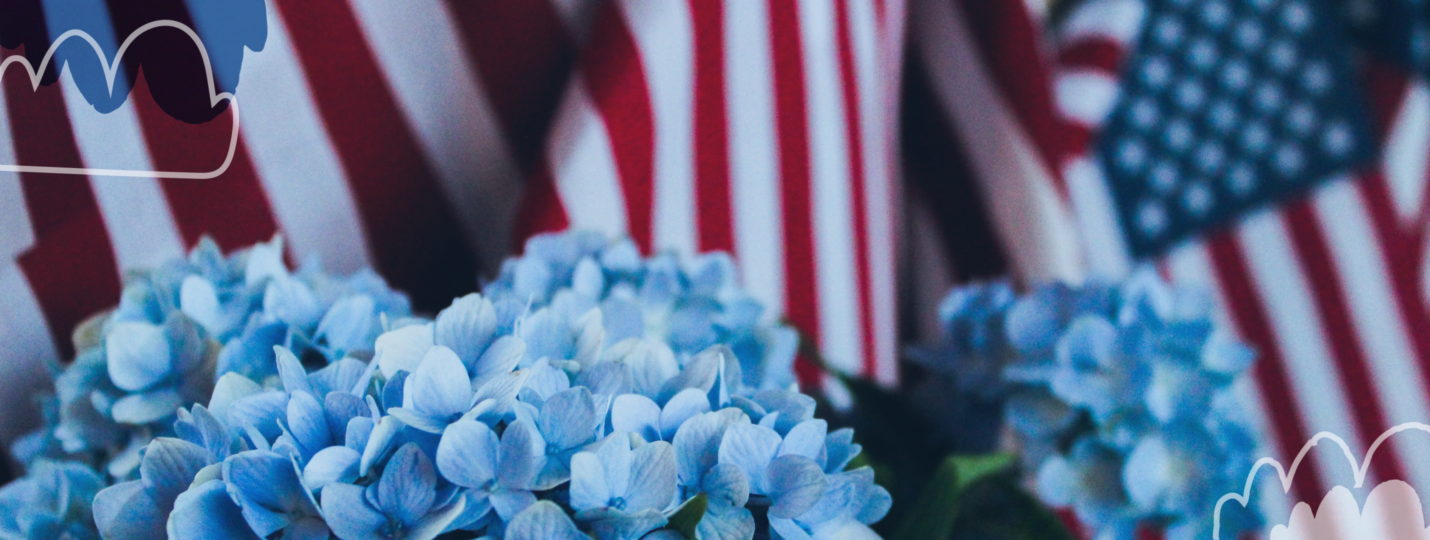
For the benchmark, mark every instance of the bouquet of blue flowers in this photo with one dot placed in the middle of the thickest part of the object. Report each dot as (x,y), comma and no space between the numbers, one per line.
(588,392)
(1123,397)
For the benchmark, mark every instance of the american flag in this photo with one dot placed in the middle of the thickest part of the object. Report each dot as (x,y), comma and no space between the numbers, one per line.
(427,138)
(1315,248)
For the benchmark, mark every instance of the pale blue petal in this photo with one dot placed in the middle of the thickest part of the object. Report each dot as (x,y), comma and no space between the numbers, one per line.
(469,454)
(500,358)
(230,388)
(262,411)
(292,302)
(331,464)
(623,318)
(793,407)
(510,502)
(543,521)
(608,378)
(349,514)
(546,380)
(202,428)
(138,355)
(340,376)
(358,432)
(1057,481)
(1150,474)
(683,406)
(199,300)
(408,485)
(547,336)
(727,486)
(652,478)
(787,529)
(697,445)
(127,510)
(568,419)
(308,423)
(1037,413)
(437,521)
(467,327)
(523,454)
(309,528)
(637,414)
(402,349)
(418,420)
(340,408)
(844,530)
(440,387)
(700,372)
(589,489)
(1090,342)
(619,525)
(796,483)
(807,439)
(751,448)
(350,325)
(148,407)
(531,278)
(841,449)
(616,460)
(268,489)
(392,390)
(169,466)
(207,512)
(652,365)
(734,523)
(590,336)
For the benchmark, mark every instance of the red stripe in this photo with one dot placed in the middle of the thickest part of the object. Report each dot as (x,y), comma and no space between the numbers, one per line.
(712,145)
(792,125)
(71,268)
(524,56)
(411,229)
(232,208)
(1008,43)
(1402,250)
(1101,54)
(1351,364)
(185,133)
(858,199)
(1249,314)
(541,209)
(615,78)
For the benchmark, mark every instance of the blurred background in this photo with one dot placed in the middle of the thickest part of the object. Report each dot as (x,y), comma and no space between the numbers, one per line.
(857,157)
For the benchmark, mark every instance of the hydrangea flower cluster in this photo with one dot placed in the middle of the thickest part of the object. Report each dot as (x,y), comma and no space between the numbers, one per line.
(574,399)
(178,327)
(1122,394)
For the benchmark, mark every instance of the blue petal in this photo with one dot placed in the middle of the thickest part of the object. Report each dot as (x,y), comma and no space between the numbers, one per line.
(623,318)
(1149,474)
(543,521)
(467,327)
(469,454)
(510,502)
(700,372)
(546,380)
(349,514)
(697,445)
(230,387)
(589,489)
(268,489)
(787,529)
(523,454)
(295,378)
(308,423)
(127,510)
(637,414)
(262,411)
(619,525)
(501,357)
(652,364)
(358,432)
(148,407)
(793,407)
(169,466)
(437,521)
(340,408)
(292,302)
(199,300)
(331,464)
(547,336)
(609,378)
(341,376)
(202,428)
(727,523)
(726,485)
(568,419)
(310,528)
(138,355)
(392,390)
(440,387)
(652,483)
(350,325)
(807,439)
(683,406)
(796,483)
(206,511)
(408,485)
(378,442)
(588,279)
(841,449)
(402,349)
(751,448)
(1089,343)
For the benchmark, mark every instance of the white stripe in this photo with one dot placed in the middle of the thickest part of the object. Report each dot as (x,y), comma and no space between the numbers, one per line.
(583,166)
(295,159)
(1375,314)
(1407,149)
(1085,95)
(1026,208)
(841,335)
(136,214)
(1119,20)
(15,233)
(1107,254)
(663,33)
(23,358)
(1296,325)
(878,200)
(420,51)
(754,165)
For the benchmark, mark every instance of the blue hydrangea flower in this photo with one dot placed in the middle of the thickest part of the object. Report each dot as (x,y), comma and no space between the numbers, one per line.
(622,491)
(405,503)
(1122,395)
(53,501)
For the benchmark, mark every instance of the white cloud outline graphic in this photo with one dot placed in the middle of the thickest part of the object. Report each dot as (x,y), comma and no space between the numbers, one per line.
(1288,477)
(110,70)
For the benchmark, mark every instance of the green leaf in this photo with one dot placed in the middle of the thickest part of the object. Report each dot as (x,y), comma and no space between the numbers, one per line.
(933,514)
(689,515)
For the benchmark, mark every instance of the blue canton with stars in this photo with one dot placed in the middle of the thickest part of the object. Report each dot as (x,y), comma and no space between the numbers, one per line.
(1229,105)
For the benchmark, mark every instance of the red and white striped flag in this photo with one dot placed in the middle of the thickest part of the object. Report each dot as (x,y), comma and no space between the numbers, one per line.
(761,128)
